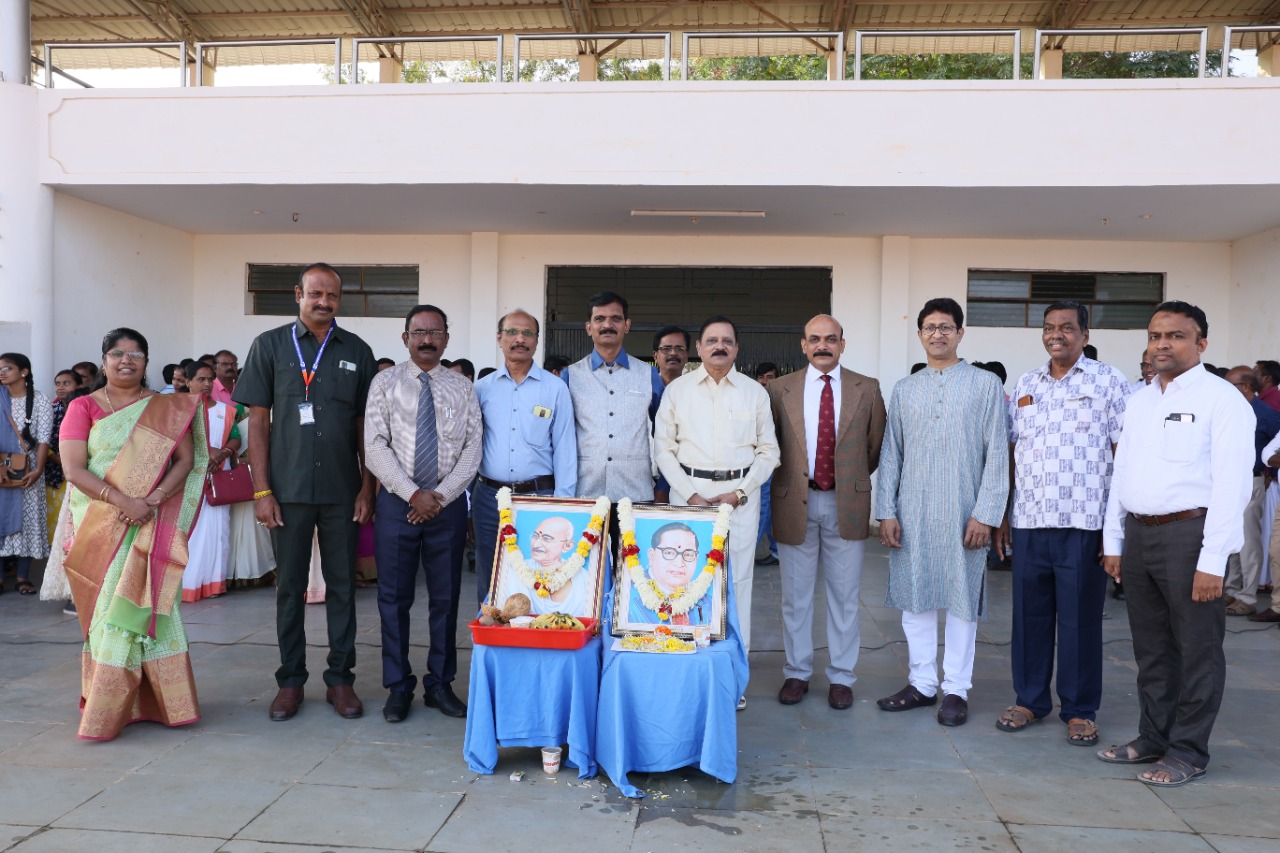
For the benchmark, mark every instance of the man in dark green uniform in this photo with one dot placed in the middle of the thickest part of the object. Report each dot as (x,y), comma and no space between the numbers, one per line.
(305,384)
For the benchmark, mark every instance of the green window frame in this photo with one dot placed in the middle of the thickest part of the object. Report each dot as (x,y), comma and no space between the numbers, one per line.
(368,290)
(1017,298)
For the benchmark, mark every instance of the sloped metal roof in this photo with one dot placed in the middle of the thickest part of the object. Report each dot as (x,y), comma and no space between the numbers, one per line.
(117,21)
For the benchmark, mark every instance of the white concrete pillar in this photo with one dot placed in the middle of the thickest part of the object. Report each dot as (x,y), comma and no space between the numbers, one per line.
(1269,61)
(896,326)
(1051,65)
(390,70)
(835,64)
(15,41)
(587,64)
(26,233)
(482,343)
(206,75)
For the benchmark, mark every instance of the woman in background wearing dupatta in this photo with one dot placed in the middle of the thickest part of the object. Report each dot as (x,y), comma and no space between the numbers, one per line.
(137,461)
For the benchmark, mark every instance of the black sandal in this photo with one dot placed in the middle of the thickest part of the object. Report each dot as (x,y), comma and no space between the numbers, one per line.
(26,587)
(906,699)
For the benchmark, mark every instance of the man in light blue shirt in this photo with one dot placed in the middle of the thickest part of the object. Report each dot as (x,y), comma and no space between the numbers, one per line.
(530,445)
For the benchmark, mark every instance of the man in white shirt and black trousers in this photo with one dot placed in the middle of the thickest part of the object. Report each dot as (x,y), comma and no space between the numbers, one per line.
(1183,475)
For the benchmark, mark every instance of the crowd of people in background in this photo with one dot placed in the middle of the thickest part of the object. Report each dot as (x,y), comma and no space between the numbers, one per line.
(365,471)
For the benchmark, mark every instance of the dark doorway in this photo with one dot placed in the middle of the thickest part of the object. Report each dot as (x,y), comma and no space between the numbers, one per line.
(769,305)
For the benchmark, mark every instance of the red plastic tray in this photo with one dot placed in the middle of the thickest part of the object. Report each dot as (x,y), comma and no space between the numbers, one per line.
(532,638)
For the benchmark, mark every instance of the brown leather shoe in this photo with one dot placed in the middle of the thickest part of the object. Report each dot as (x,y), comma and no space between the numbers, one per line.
(840,697)
(286,703)
(793,690)
(1270,615)
(344,700)
(954,710)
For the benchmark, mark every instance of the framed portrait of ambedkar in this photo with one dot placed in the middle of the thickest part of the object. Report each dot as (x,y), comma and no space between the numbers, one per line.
(671,569)
(552,550)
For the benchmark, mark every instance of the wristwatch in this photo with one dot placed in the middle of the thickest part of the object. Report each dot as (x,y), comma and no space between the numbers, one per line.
(741,495)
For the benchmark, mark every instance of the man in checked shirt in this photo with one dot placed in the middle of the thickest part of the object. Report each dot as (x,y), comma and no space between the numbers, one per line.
(423,443)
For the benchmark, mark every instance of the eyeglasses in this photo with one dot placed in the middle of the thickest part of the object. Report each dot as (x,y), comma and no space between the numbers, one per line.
(228,364)
(434,334)
(670,350)
(519,333)
(946,330)
(671,553)
(132,355)
(7,368)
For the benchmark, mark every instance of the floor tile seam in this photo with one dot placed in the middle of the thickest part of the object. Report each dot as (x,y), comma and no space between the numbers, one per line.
(286,789)
(115,781)
(453,811)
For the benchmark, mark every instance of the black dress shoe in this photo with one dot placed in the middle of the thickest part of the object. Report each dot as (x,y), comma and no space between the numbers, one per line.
(441,697)
(399,702)
(954,710)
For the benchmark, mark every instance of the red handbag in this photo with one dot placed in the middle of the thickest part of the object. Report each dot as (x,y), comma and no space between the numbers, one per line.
(230,486)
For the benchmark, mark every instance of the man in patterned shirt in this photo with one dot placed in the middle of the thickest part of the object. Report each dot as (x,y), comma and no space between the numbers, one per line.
(1065,420)
(423,443)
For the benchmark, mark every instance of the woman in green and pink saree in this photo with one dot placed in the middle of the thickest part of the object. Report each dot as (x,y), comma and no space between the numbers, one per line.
(136,461)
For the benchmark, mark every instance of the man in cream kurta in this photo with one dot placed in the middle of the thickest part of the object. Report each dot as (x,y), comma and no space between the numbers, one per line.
(715,443)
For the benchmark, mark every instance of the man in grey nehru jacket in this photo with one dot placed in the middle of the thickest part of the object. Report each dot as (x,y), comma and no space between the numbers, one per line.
(615,397)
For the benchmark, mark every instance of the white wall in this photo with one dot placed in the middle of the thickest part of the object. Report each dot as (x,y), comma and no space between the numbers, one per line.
(1198,272)
(221,319)
(997,133)
(111,269)
(26,215)
(1255,299)
(1195,272)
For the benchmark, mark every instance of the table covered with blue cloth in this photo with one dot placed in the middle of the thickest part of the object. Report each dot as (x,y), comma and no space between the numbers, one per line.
(533,697)
(662,712)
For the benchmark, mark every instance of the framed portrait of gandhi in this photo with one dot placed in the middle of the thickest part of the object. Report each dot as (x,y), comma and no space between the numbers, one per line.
(552,550)
(671,570)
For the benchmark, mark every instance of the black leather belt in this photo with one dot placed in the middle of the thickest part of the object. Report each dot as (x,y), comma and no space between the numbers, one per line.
(813,486)
(1169,518)
(717,476)
(524,487)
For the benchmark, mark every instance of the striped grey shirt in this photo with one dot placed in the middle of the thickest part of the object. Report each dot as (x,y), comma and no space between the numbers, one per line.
(391,429)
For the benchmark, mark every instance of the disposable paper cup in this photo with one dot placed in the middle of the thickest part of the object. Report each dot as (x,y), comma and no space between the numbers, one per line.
(702,636)
(551,760)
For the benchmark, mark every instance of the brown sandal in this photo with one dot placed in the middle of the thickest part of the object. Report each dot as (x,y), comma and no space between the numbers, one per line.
(1239,608)
(1082,732)
(1015,718)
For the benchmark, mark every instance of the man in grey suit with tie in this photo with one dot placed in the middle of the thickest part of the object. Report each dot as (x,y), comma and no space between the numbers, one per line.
(830,422)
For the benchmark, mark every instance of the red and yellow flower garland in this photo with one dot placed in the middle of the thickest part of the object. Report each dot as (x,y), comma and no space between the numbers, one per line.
(542,582)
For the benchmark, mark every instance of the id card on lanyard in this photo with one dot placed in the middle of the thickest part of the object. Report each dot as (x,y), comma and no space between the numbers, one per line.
(306,412)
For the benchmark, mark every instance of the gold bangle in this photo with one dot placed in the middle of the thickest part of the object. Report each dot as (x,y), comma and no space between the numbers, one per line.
(102,495)
(262,494)
(161,491)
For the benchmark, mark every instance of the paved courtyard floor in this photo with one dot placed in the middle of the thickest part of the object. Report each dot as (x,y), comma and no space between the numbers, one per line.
(809,778)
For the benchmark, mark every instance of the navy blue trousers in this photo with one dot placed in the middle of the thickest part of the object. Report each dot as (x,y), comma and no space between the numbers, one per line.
(1059,589)
(401,548)
(484,518)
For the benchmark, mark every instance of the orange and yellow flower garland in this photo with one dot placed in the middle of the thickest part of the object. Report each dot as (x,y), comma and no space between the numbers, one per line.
(682,599)
(542,582)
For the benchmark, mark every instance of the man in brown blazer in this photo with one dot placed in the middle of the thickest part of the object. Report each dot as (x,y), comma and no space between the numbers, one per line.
(830,422)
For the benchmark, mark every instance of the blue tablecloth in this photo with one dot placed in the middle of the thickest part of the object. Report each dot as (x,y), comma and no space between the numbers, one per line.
(533,697)
(663,712)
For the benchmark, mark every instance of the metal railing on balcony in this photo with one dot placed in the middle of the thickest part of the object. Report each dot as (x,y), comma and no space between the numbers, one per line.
(425,53)
(178,56)
(1201,34)
(593,39)
(1015,36)
(1262,38)
(835,46)
(203,47)
(700,53)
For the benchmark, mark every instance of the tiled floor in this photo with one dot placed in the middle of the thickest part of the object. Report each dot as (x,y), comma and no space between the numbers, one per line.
(810,778)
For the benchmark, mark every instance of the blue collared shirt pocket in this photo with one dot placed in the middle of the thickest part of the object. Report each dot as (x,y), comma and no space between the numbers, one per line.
(536,431)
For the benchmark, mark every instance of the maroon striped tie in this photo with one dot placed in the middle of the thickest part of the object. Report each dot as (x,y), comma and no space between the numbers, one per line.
(824,461)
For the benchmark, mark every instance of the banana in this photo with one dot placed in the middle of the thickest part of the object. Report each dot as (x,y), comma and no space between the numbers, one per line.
(558,622)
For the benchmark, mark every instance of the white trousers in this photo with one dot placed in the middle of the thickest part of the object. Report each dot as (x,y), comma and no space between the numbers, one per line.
(841,562)
(957,657)
(744,530)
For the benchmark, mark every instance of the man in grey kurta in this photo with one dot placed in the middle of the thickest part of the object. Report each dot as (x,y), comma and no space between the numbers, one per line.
(944,484)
